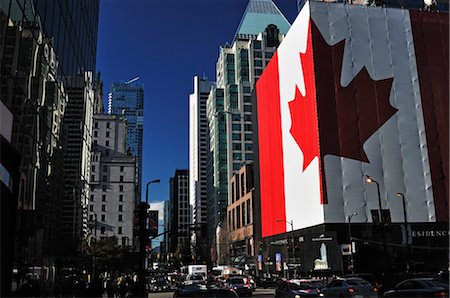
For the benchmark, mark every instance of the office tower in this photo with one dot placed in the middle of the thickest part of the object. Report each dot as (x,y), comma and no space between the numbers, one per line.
(260,31)
(180,216)
(77,159)
(198,153)
(165,243)
(113,196)
(42,42)
(127,99)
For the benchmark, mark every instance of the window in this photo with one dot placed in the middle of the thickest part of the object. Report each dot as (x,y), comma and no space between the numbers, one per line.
(232,193)
(107,143)
(229,220)
(121,178)
(248,156)
(103,217)
(268,55)
(95,133)
(249,147)
(105,168)
(120,198)
(237,146)
(258,63)
(95,142)
(91,207)
(103,207)
(248,108)
(243,213)
(232,220)
(257,44)
(257,54)
(248,212)
(120,187)
(120,207)
(237,156)
(246,89)
(92,178)
(102,230)
(105,178)
(95,124)
(236,136)
(93,168)
(91,217)
(122,168)
(248,137)
(242,185)
(103,198)
(92,198)
(120,217)
(238,217)
(236,127)
(108,125)
(104,187)
(120,230)
(107,134)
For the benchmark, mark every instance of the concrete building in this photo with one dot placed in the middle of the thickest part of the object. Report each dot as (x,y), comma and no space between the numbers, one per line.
(112,181)
(77,159)
(127,99)
(240,214)
(198,154)
(180,216)
(229,106)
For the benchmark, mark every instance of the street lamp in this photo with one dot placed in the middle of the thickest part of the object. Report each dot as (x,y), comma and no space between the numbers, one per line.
(399,194)
(350,238)
(293,242)
(370,180)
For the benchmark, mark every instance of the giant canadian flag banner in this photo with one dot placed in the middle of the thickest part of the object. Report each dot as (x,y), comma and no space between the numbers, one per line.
(354,91)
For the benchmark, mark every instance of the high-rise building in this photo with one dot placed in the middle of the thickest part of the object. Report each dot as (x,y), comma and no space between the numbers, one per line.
(165,243)
(127,99)
(353,144)
(113,196)
(181,215)
(229,107)
(198,153)
(42,44)
(77,159)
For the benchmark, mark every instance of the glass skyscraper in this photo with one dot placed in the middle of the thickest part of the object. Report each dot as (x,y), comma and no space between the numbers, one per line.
(127,99)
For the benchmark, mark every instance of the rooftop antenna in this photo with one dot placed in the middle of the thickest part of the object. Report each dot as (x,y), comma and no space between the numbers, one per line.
(132,80)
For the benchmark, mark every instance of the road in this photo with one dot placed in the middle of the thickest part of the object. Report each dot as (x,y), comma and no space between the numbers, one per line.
(258,293)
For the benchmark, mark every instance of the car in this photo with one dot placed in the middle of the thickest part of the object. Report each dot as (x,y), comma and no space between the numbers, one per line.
(268,282)
(195,279)
(241,285)
(349,287)
(297,288)
(159,284)
(205,290)
(419,287)
(317,283)
(366,276)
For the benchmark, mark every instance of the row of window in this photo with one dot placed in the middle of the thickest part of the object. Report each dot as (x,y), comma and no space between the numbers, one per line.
(240,216)
(91,208)
(104,188)
(103,217)
(104,198)
(105,168)
(105,178)
(108,124)
(96,134)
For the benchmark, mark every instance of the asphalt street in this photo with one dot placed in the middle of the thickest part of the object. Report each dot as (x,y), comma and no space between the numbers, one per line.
(257,293)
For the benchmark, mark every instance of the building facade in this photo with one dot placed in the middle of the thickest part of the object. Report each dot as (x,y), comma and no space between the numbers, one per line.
(198,154)
(362,160)
(112,182)
(42,43)
(180,216)
(229,105)
(127,99)
(240,218)
(77,159)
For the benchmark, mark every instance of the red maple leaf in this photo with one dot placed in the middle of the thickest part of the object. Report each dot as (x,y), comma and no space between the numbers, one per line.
(304,111)
(347,116)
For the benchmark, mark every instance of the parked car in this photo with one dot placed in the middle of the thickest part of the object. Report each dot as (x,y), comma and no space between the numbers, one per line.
(241,285)
(268,282)
(419,287)
(297,288)
(318,283)
(159,284)
(205,290)
(366,276)
(195,279)
(349,287)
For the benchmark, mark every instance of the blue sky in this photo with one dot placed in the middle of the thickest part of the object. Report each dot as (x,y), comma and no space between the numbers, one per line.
(166,43)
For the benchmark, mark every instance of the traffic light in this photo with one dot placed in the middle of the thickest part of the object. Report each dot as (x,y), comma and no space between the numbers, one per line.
(261,246)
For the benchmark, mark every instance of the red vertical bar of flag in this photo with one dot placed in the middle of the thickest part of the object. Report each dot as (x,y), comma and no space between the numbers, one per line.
(273,207)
